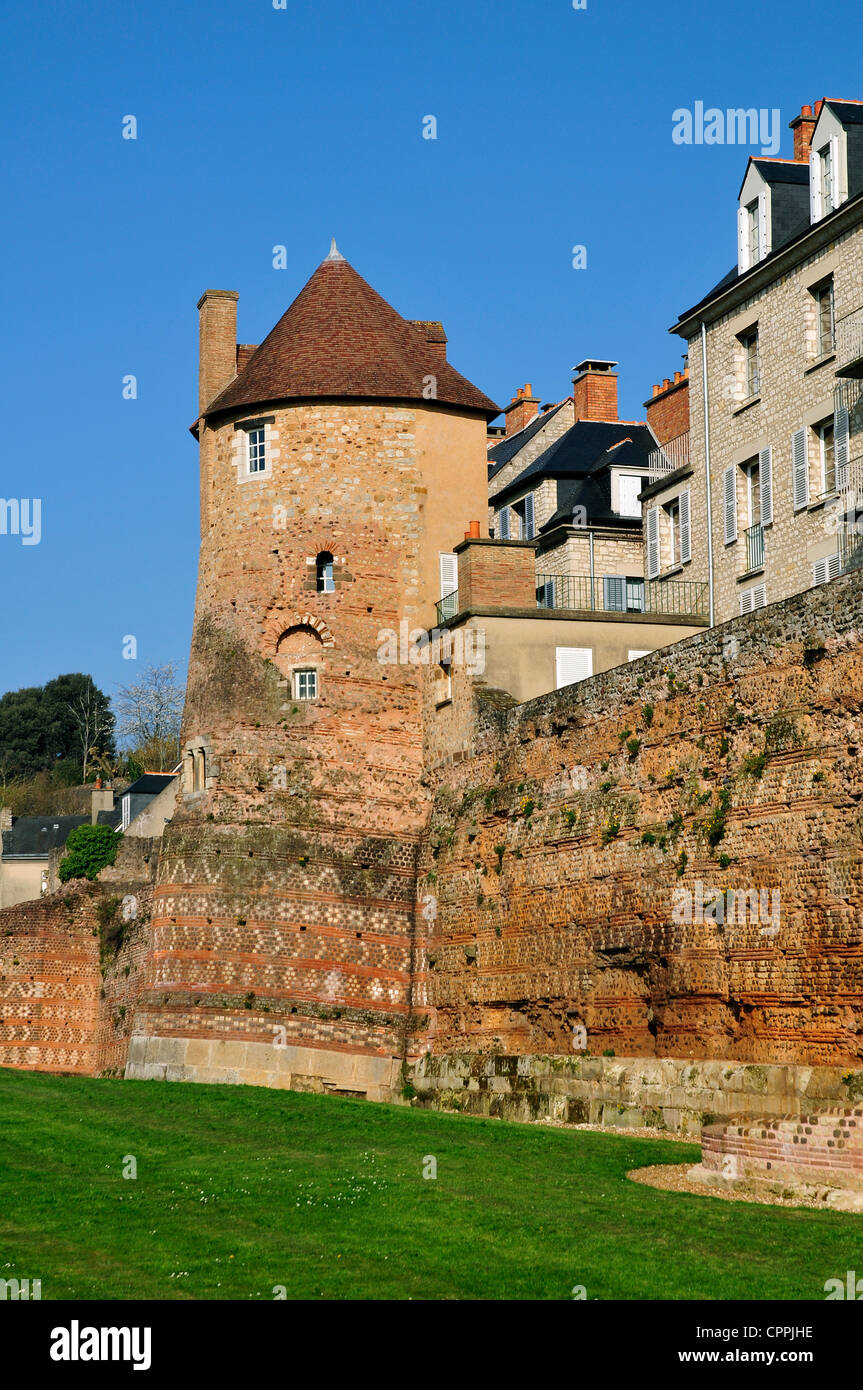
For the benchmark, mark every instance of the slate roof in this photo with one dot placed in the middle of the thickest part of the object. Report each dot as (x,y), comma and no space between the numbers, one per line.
(508,447)
(38,835)
(339,338)
(586,451)
(780,170)
(849,112)
(149,784)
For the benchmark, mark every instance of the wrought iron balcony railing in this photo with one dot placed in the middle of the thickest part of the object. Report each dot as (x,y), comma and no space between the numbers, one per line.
(447,607)
(672,455)
(754,547)
(849,344)
(611,594)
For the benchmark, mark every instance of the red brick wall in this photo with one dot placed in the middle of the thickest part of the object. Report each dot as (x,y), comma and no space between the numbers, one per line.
(595,396)
(668,411)
(496,574)
(804,1149)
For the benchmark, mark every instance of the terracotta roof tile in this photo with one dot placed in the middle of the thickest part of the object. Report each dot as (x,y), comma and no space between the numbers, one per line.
(340,338)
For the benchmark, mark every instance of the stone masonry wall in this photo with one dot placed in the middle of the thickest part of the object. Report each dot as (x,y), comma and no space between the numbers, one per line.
(565,847)
(71,966)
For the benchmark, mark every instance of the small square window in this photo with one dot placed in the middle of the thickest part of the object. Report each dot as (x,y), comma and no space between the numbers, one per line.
(257,450)
(306,685)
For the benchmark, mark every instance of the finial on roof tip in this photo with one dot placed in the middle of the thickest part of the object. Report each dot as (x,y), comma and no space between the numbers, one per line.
(335,253)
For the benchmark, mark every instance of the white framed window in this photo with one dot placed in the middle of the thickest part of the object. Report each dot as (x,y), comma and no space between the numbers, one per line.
(524,514)
(254,448)
(751,369)
(753,598)
(825,570)
(826,435)
(257,447)
(825,326)
(572,664)
(306,684)
(753,232)
(126,812)
(672,514)
(752,473)
(634,594)
(825,179)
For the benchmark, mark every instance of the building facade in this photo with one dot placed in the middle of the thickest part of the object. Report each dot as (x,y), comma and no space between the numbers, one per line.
(766,504)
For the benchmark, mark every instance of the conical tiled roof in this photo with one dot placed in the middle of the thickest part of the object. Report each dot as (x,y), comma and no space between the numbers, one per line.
(340,338)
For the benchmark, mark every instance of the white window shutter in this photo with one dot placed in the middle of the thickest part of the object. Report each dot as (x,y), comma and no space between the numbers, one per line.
(841,445)
(685,527)
(834,565)
(503,524)
(763,226)
(614,593)
(835,183)
(572,664)
(765,483)
(800,469)
(819,573)
(759,596)
(742,242)
(730,504)
(746,602)
(448,574)
(652,542)
(814,186)
(528,517)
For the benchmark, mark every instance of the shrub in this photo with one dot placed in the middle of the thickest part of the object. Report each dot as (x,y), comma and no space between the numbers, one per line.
(89,849)
(633,745)
(647,715)
(753,764)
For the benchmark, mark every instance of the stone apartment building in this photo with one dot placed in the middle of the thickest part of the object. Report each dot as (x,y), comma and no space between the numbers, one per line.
(764,503)
(562,579)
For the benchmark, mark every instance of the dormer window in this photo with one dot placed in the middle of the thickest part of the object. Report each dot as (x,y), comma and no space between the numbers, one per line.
(753,238)
(825,179)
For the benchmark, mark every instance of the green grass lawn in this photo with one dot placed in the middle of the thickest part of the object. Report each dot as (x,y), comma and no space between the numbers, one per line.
(239,1189)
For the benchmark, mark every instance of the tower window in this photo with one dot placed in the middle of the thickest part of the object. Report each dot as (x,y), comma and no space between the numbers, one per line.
(306,685)
(324,573)
(257,450)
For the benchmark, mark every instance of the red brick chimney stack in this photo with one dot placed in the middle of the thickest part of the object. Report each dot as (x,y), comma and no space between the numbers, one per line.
(803,126)
(217,337)
(594,390)
(523,408)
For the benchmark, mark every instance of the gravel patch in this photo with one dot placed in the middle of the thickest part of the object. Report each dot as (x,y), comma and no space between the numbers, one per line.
(672,1177)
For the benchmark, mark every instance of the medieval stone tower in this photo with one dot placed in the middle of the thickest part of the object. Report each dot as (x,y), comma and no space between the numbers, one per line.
(339,460)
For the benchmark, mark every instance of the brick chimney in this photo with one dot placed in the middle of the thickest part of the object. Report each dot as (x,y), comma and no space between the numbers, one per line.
(803,126)
(523,408)
(668,407)
(217,310)
(594,390)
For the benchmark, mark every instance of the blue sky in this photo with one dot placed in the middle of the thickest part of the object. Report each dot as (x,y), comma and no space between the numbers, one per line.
(259,127)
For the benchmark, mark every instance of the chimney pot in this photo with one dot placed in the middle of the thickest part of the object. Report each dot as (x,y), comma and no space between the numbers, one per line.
(473,533)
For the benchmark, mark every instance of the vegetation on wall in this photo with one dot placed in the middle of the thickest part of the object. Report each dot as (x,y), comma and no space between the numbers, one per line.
(89,849)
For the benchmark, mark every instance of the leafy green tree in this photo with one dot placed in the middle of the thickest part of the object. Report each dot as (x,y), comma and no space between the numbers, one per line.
(88,849)
(65,718)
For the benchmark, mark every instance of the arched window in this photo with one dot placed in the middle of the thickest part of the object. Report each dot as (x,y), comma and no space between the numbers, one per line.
(324,573)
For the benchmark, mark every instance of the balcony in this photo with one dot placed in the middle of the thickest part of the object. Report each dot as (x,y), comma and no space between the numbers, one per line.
(447,607)
(679,598)
(754,538)
(672,455)
(849,345)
